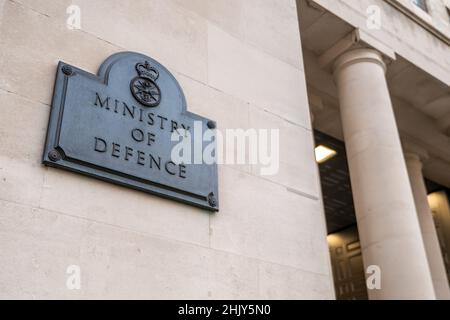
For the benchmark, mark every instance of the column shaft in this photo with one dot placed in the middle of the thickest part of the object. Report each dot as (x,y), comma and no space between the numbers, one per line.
(429,235)
(386,215)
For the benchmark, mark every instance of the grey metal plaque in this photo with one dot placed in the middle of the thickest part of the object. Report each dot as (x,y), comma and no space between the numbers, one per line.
(117,126)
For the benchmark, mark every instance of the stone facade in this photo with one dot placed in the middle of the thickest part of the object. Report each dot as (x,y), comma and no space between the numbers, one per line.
(272,64)
(399,32)
(377,71)
(240,63)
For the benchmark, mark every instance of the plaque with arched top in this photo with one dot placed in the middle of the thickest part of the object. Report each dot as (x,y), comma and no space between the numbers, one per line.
(119,126)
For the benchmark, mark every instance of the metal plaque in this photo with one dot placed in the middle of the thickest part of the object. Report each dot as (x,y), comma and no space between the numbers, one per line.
(118,126)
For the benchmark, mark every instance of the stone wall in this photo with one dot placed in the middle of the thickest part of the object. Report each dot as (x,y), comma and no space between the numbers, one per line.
(400,33)
(239,62)
(436,16)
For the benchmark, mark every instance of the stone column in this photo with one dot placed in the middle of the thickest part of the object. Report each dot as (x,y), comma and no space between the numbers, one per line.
(387,221)
(429,235)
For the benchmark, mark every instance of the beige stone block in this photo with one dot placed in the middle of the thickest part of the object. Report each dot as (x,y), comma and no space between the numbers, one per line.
(228,15)
(174,36)
(55,9)
(33,47)
(281,282)
(123,207)
(227,111)
(115,262)
(253,76)
(168,31)
(20,181)
(272,26)
(232,276)
(23,127)
(297,165)
(126,265)
(188,272)
(36,251)
(263,220)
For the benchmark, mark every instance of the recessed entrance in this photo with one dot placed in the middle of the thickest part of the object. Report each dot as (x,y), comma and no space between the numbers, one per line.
(343,239)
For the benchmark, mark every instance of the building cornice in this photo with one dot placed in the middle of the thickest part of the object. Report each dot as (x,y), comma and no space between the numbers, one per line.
(419,20)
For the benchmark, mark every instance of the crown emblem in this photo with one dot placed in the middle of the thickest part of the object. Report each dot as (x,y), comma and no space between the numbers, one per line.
(146,71)
(144,87)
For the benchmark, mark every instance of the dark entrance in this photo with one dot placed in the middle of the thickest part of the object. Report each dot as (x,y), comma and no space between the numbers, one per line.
(343,239)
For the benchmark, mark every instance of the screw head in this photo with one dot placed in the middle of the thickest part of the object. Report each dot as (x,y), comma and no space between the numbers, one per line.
(212,200)
(54,155)
(67,70)
(211,124)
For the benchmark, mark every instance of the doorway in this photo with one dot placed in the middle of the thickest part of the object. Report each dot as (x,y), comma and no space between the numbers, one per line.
(343,238)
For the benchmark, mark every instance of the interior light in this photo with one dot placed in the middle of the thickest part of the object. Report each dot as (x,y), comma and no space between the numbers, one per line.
(324,153)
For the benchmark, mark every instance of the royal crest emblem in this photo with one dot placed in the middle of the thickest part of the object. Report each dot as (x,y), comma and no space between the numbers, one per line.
(144,87)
